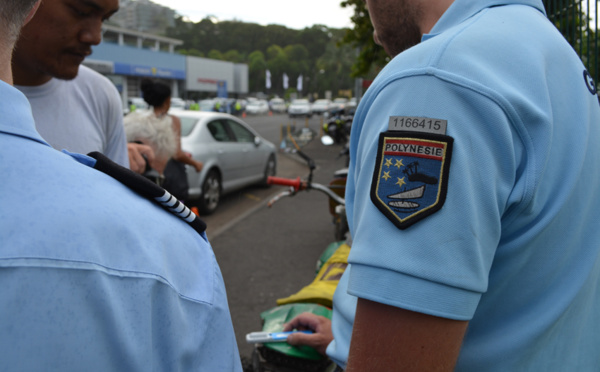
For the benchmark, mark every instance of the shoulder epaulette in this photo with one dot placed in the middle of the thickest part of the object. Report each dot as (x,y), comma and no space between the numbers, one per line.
(147,189)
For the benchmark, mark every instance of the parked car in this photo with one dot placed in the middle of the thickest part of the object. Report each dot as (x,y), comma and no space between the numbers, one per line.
(207,104)
(278,105)
(178,103)
(233,154)
(340,103)
(353,103)
(321,105)
(259,106)
(138,103)
(300,107)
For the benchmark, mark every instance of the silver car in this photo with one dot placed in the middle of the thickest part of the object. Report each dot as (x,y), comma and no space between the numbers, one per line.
(233,154)
(300,107)
(321,106)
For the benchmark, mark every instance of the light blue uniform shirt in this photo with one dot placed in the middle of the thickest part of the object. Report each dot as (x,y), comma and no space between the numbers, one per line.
(94,277)
(515,249)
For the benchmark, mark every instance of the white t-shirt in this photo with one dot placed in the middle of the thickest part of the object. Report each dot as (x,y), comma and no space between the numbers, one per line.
(80,115)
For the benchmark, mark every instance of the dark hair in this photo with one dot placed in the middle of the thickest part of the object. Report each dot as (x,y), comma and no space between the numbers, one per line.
(155,93)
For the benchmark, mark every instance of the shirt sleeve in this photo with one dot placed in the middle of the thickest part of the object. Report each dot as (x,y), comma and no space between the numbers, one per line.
(439,265)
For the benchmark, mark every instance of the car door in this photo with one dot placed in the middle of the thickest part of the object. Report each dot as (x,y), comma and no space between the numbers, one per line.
(252,157)
(228,151)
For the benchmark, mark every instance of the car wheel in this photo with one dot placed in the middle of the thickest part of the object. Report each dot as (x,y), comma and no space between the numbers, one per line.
(211,193)
(270,170)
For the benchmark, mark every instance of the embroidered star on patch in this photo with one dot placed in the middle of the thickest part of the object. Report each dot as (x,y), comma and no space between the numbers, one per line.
(411,175)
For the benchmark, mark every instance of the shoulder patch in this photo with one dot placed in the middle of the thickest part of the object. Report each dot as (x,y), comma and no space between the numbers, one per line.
(410,180)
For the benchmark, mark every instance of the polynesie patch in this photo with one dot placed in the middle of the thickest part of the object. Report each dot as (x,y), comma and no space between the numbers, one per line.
(411,175)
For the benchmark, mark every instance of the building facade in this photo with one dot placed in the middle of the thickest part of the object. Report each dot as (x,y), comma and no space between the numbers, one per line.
(126,57)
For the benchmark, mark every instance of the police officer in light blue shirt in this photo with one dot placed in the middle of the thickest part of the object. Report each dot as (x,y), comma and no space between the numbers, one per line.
(97,275)
(472,197)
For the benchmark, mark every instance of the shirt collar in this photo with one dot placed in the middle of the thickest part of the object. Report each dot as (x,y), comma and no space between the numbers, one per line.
(460,10)
(15,114)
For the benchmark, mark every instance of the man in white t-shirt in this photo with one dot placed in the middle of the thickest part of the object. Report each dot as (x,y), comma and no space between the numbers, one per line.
(75,108)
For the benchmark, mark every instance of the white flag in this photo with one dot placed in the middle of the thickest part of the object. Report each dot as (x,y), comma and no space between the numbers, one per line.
(268,82)
(299,85)
(285,81)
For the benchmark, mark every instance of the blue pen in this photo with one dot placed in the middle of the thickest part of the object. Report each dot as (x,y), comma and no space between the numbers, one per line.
(261,337)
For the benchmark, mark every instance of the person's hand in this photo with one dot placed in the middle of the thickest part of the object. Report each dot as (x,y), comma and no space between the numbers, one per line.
(137,152)
(320,325)
(198,165)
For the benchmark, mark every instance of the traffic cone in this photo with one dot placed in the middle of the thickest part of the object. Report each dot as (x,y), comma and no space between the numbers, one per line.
(195,211)
(244,114)
(270,113)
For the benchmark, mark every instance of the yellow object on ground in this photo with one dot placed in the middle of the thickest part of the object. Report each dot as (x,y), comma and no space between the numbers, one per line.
(321,289)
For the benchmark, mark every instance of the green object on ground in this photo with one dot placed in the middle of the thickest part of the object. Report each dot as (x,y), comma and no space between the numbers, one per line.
(275,318)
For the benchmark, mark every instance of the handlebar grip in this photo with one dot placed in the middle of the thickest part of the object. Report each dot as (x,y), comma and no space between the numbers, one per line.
(295,183)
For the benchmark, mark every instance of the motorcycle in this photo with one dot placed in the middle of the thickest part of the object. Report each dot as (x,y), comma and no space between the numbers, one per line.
(339,124)
(317,297)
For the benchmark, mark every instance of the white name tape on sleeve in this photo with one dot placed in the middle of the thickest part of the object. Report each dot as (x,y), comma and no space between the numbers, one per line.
(417,124)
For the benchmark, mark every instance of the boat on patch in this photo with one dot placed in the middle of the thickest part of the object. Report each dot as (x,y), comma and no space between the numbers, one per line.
(415,193)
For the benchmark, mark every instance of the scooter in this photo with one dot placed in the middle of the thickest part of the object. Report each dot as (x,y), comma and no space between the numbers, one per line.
(275,355)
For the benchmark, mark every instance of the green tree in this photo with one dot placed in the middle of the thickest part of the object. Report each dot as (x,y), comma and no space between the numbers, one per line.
(257,66)
(371,57)
(282,50)
(215,54)
(277,63)
(575,24)
(233,56)
(191,52)
(333,69)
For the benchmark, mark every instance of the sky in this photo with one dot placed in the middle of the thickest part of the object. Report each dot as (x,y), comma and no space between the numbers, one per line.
(292,14)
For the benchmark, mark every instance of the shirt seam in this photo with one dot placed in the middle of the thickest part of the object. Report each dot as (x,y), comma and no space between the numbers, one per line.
(515,120)
(54,263)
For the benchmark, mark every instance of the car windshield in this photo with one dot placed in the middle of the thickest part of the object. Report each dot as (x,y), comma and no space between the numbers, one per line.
(187,125)
(300,102)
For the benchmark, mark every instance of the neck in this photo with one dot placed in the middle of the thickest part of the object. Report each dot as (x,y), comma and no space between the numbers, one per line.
(5,56)
(160,112)
(5,70)
(432,12)
(28,77)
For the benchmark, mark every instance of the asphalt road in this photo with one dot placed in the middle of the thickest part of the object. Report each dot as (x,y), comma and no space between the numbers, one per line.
(269,253)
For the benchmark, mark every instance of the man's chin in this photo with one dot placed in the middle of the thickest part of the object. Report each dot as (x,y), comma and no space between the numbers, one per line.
(66,73)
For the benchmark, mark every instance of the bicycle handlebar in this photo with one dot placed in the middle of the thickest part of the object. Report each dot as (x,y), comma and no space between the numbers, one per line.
(298,185)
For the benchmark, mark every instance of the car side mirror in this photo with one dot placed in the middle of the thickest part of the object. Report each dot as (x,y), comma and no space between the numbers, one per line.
(257,141)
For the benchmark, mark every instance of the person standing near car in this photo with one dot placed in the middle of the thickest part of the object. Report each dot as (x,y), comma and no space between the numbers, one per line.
(158,96)
(145,127)
(75,108)
(95,276)
(471,197)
